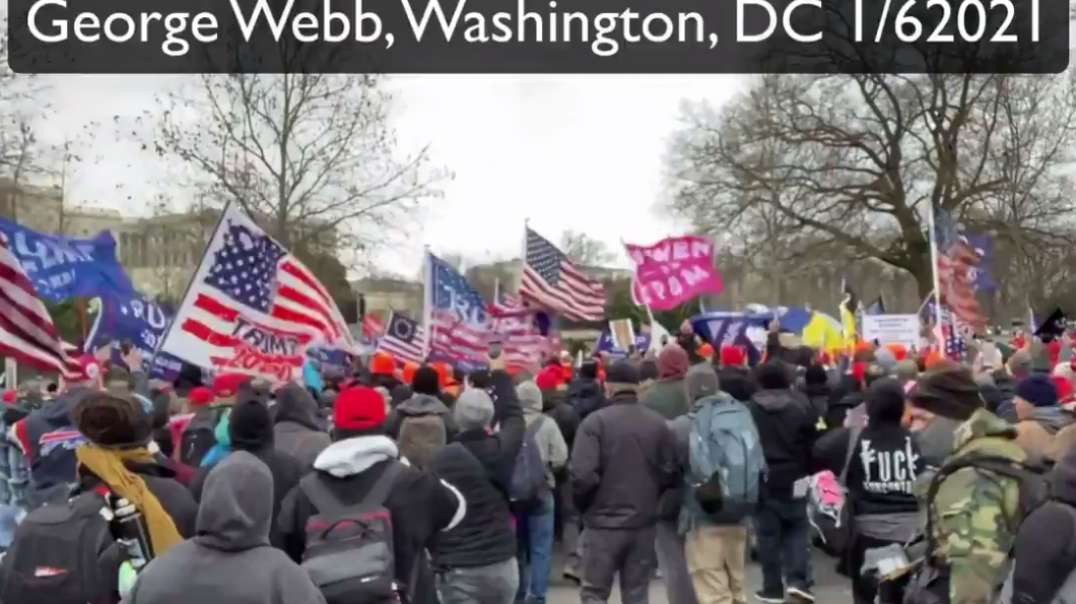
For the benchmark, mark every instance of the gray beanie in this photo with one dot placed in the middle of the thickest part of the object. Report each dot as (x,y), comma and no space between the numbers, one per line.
(473,410)
(530,397)
(701,381)
(884,358)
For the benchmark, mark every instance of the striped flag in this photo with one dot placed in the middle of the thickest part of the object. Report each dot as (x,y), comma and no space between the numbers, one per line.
(27,332)
(523,343)
(404,339)
(957,268)
(253,308)
(459,321)
(552,281)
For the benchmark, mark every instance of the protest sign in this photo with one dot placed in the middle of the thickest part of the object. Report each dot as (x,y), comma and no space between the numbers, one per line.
(623,333)
(674,271)
(892,329)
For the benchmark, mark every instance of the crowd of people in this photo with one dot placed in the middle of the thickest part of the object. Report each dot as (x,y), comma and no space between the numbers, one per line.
(391,482)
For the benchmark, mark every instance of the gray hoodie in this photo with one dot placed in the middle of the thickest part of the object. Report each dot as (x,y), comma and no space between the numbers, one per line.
(550,441)
(229,561)
(297,430)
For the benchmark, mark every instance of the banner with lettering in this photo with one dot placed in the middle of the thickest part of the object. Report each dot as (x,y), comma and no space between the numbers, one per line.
(63,267)
(674,271)
(140,322)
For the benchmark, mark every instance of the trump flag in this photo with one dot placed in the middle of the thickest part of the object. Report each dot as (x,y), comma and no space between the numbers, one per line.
(253,308)
(673,271)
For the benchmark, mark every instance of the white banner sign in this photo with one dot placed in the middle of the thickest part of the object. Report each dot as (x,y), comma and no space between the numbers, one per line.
(892,329)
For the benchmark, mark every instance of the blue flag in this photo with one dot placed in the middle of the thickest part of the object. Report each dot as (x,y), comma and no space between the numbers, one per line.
(606,344)
(734,329)
(63,267)
(459,321)
(139,321)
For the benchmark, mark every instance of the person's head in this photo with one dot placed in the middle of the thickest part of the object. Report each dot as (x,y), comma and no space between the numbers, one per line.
(250,428)
(1019,364)
(772,376)
(427,381)
(226,388)
(885,403)
(733,356)
(816,376)
(530,396)
(948,391)
(474,410)
(672,363)
(359,411)
(1034,392)
(701,382)
(237,504)
(737,383)
(622,377)
(886,361)
(907,370)
(589,369)
(383,363)
(112,421)
(706,351)
(549,378)
(88,376)
(190,376)
(119,381)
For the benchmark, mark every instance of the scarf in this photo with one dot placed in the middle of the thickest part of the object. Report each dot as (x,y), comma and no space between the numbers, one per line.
(109,465)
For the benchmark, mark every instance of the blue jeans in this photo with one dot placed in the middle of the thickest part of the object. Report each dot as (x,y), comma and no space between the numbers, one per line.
(782,544)
(536,551)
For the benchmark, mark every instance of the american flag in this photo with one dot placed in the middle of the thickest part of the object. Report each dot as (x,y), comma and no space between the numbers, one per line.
(27,332)
(253,308)
(523,344)
(552,281)
(372,327)
(459,320)
(404,339)
(957,268)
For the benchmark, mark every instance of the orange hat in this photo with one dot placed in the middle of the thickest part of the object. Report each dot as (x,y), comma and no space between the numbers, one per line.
(900,351)
(706,351)
(446,375)
(409,372)
(383,364)
(934,359)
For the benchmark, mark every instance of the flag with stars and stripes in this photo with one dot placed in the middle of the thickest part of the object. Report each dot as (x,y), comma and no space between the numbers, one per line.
(459,321)
(253,308)
(958,271)
(524,345)
(551,280)
(404,339)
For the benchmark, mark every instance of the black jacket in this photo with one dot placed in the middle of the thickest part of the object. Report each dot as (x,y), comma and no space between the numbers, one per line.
(586,395)
(882,470)
(480,466)
(818,395)
(161,481)
(420,504)
(623,459)
(1046,544)
(786,426)
(564,414)
(286,471)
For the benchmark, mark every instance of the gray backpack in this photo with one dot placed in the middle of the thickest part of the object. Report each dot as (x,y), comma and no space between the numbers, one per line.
(725,454)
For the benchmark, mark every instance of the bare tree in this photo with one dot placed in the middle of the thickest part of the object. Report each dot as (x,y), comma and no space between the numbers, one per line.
(585,250)
(310,156)
(852,164)
(19,146)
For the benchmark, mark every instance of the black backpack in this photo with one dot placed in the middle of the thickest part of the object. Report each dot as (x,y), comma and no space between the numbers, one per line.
(350,554)
(199,437)
(64,553)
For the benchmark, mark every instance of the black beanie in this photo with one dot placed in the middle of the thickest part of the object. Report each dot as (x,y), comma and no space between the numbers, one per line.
(426,381)
(250,427)
(772,376)
(948,391)
(816,376)
(885,402)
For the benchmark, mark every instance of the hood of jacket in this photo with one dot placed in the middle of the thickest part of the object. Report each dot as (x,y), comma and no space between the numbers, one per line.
(422,404)
(584,387)
(295,404)
(1052,418)
(355,455)
(775,400)
(1063,478)
(237,505)
(58,412)
(981,425)
(530,398)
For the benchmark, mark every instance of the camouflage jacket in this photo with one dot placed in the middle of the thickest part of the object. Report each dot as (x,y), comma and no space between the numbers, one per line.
(976,513)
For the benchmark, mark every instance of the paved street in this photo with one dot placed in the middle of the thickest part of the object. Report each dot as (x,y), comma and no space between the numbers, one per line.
(830,588)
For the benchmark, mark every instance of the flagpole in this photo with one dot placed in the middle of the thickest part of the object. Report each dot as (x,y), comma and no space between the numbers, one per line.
(934,272)
(427,301)
(926,301)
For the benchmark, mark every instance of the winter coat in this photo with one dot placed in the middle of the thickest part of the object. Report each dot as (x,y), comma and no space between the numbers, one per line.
(550,441)
(882,470)
(1038,433)
(298,431)
(668,398)
(818,395)
(286,472)
(786,425)
(1045,555)
(161,481)
(48,438)
(623,459)
(566,417)
(421,505)
(586,395)
(418,443)
(230,561)
(485,535)
(936,441)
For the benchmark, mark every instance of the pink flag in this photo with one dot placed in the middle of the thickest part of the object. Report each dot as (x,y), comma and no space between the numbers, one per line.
(674,271)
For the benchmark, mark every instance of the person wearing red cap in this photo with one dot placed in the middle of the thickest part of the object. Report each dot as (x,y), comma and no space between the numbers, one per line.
(360,458)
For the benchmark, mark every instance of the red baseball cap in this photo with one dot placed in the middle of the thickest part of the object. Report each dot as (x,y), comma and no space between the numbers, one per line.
(226,386)
(359,409)
(200,397)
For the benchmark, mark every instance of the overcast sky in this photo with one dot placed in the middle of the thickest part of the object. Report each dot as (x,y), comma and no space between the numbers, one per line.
(567,152)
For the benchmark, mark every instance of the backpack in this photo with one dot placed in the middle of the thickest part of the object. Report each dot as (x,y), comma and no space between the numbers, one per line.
(350,554)
(930,584)
(64,553)
(199,437)
(528,475)
(421,436)
(726,459)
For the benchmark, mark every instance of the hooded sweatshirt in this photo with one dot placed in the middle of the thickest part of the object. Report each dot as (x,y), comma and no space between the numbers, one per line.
(547,435)
(420,441)
(787,428)
(229,561)
(668,395)
(1046,544)
(297,431)
(420,504)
